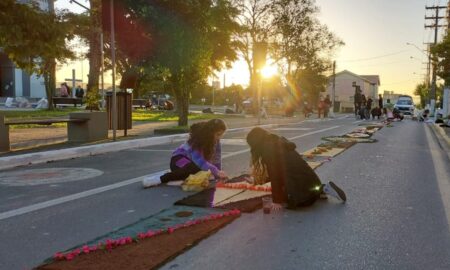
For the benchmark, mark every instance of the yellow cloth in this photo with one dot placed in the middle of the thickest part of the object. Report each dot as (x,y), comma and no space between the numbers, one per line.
(197,182)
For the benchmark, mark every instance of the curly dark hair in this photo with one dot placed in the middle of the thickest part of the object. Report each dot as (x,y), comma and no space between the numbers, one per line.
(202,136)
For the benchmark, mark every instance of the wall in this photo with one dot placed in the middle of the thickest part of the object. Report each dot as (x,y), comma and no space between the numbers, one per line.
(37,87)
(345,91)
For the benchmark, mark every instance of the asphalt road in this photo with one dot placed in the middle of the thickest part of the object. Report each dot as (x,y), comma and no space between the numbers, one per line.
(396,217)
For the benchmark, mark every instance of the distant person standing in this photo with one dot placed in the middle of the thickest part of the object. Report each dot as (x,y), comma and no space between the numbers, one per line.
(64,92)
(380,102)
(369,104)
(327,106)
(321,107)
(358,100)
(79,93)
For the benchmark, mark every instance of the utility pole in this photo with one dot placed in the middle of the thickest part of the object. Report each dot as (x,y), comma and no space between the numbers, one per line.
(436,27)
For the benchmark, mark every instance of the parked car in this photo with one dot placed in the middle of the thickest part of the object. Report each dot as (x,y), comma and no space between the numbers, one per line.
(159,101)
(405,105)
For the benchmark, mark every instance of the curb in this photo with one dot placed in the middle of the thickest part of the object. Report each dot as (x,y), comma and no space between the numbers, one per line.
(439,131)
(84,151)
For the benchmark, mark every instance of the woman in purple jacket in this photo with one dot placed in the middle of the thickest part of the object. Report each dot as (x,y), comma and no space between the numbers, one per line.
(201,152)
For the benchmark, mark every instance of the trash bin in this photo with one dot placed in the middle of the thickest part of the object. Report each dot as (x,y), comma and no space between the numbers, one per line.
(124,107)
(337,106)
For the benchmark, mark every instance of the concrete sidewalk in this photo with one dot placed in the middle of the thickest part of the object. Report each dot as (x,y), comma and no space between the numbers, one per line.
(40,145)
(443,133)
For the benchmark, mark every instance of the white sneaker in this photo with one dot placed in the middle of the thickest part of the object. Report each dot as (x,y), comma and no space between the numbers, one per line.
(151,181)
(333,190)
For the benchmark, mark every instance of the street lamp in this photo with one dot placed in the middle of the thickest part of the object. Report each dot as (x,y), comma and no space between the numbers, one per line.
(415,46)
(415,58)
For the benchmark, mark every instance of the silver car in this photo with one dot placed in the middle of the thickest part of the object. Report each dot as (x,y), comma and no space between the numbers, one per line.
(405,105)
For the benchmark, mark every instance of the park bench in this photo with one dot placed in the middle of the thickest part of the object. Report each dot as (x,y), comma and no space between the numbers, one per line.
(82,127)
(67,101)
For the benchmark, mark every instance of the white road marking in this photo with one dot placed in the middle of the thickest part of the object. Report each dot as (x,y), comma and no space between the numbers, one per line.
(233,141)
(76,196)
(443,177)
(292,129)
(313,132)
(87,193)
(150,150)
(359,121)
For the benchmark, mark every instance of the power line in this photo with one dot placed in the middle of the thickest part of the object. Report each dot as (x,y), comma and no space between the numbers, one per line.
(375,57)
(382,64)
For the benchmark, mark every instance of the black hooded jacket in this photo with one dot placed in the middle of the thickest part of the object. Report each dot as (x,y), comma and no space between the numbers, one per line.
(292,179)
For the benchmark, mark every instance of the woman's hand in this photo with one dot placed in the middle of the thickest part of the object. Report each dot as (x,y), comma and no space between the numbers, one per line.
(277,207)
(222,175)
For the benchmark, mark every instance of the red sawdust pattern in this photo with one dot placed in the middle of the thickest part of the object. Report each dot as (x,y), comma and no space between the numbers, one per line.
(146,254)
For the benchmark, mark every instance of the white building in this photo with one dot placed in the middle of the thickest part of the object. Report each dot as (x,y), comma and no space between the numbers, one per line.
(345,91)
(15,82)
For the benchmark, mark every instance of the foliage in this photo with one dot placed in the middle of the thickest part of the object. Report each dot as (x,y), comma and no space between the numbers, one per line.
(441,55)
(163,116)
(229,95)
(92,100)
(187,40)
(423,91)
(34,40)
(298,42)
(255,21)
(303,46)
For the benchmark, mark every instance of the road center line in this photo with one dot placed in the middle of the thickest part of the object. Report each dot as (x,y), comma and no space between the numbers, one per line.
(76,196)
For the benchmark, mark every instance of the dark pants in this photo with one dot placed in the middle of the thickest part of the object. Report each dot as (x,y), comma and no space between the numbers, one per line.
(180,171)
(357,108)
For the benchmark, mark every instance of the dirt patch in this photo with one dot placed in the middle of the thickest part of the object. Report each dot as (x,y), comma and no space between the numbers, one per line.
(145,254)
(246,206)
(184,214)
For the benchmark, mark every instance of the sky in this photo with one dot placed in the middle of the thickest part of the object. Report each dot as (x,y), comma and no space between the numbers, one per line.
(375,33)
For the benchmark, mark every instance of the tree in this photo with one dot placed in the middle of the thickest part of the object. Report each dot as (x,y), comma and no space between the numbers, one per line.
(303,47)
(95,47)
(255,21)
(423,91)
(34,39)
(189,40)
(441,56)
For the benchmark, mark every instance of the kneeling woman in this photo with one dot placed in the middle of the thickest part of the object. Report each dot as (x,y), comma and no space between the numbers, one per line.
(293,181)
(201,152)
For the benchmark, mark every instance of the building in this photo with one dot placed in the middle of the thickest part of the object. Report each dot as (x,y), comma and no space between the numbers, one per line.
(390,97)
(15,82)
(345,91)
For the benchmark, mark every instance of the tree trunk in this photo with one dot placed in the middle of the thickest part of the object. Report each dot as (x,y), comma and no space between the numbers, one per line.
(50,83)
(183,106)
(94,54)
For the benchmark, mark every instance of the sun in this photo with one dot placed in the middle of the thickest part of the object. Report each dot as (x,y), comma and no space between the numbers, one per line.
(268,71)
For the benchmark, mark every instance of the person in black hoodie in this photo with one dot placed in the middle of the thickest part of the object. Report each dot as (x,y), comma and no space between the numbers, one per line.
(294,183)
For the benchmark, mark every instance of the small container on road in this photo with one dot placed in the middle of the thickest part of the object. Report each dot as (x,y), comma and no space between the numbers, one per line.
(267,204)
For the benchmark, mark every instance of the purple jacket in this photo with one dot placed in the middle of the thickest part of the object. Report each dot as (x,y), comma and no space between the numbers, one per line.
(215,165)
